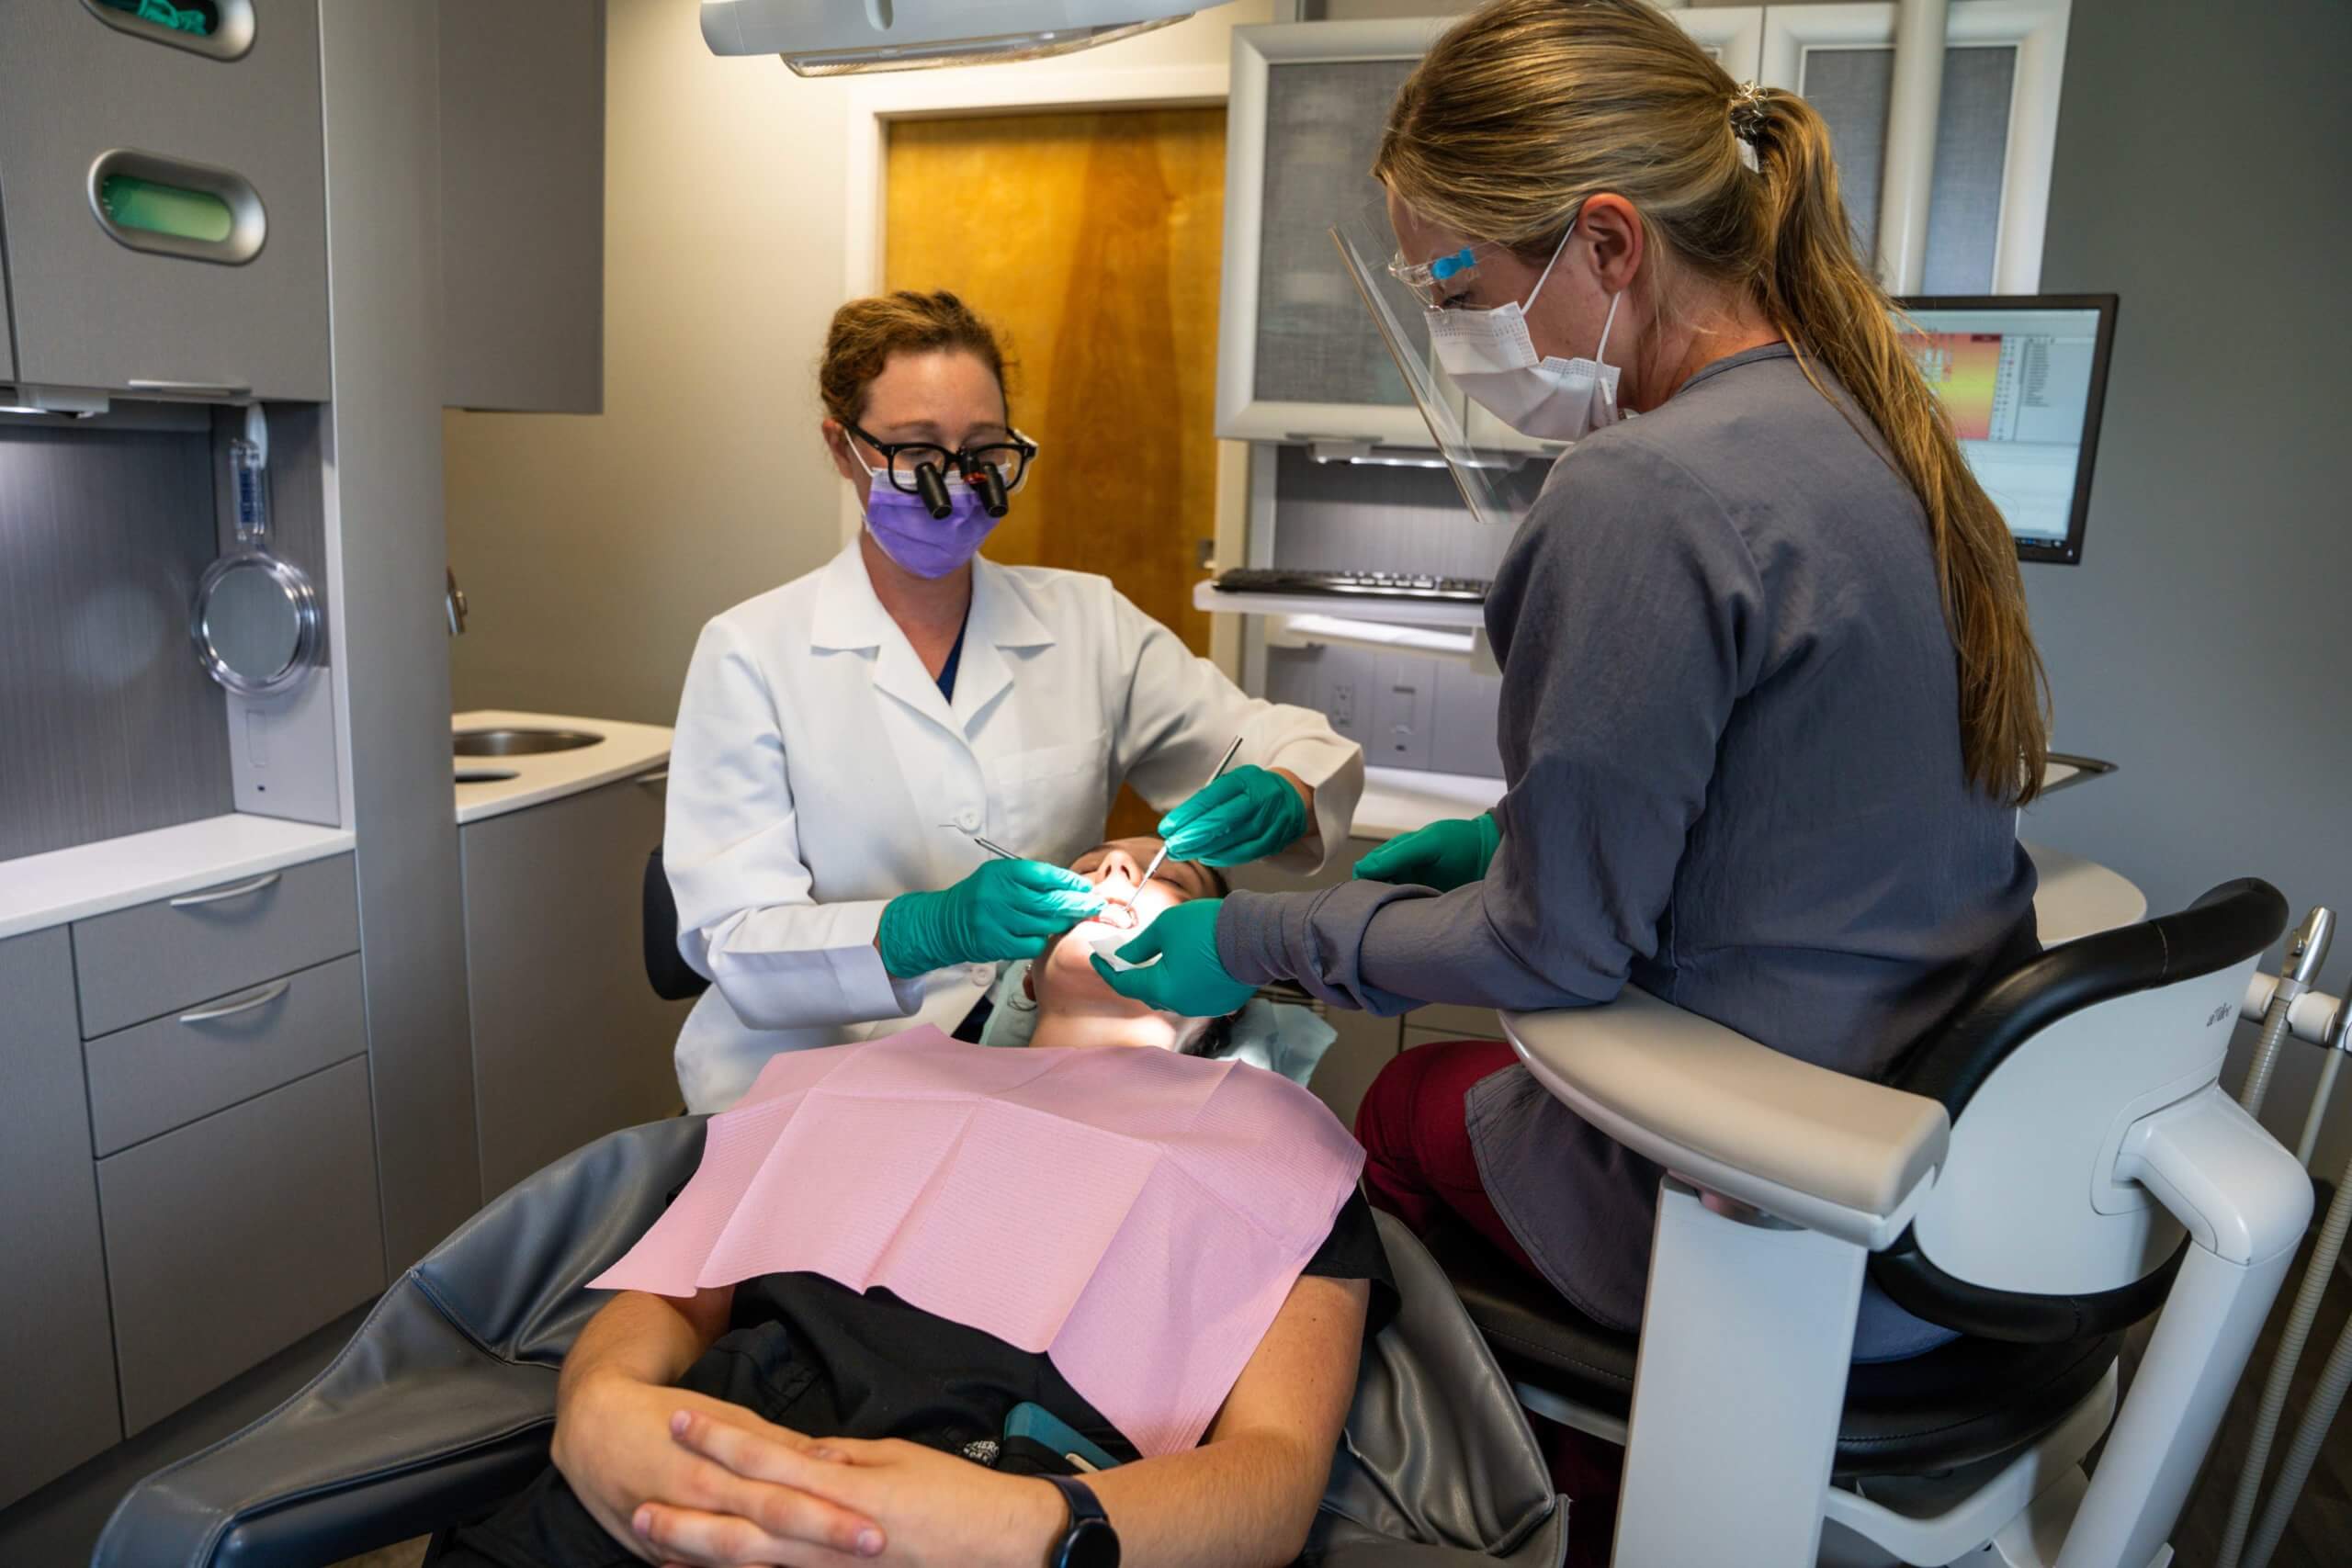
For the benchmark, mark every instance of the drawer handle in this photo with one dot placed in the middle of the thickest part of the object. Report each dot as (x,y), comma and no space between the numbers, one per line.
(192,900)
(191,388)
(259,998)
(659,775)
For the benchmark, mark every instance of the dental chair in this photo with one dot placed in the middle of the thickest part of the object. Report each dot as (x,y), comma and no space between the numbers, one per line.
(2056,1164)
(442,1403)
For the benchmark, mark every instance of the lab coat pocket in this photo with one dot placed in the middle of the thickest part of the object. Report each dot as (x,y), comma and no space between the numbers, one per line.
(1052,799)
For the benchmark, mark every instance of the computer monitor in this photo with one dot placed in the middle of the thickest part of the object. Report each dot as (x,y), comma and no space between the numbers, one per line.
(2022,377)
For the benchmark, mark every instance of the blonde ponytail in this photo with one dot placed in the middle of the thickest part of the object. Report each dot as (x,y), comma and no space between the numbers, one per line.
(1525,108)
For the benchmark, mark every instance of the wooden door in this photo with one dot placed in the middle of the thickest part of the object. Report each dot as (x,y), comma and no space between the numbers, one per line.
(1091,240)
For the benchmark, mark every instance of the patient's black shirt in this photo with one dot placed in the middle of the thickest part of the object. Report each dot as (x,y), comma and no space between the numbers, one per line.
(823,1359)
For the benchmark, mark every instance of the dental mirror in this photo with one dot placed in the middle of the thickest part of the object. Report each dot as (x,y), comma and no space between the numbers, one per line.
(255,620)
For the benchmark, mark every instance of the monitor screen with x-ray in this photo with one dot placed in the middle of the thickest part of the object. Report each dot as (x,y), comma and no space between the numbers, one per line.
(2022,378)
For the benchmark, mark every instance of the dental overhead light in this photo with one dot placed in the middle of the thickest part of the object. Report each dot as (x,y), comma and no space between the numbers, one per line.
(835,38)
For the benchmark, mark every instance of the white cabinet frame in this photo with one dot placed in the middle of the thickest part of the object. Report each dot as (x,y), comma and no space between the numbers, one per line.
(1735,32)
(2036,28)
(1241,415)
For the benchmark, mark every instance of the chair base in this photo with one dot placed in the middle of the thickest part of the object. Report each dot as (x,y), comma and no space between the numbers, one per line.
(2010,1511)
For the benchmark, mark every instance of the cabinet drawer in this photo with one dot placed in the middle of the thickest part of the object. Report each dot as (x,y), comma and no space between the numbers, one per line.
(90,310)
(154,1077)
(166,957)
(232,1237)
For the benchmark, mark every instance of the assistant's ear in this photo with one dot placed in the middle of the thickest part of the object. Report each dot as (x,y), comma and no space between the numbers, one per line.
(1613,228)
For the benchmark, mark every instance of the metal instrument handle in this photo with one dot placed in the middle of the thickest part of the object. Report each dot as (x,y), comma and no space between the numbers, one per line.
(191,900)
(261,997)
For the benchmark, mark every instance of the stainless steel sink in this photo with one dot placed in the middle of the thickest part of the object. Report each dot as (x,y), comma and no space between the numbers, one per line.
(520,742)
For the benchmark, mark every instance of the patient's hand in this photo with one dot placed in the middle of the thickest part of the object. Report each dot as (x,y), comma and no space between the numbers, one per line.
(613,1443)
(937,1509)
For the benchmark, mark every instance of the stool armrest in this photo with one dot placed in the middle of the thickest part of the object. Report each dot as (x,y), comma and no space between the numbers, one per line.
(1808,1145)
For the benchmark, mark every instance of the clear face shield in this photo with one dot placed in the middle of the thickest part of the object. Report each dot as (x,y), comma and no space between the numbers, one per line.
(1397,292)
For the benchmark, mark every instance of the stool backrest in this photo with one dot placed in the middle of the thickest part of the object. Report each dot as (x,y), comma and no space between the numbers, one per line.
(2027,1234)
(671,977)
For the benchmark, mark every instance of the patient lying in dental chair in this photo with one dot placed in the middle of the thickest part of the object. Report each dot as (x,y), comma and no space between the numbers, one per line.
(836,1345)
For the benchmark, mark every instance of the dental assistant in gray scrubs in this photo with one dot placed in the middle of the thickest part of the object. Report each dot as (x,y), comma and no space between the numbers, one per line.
(1770,699)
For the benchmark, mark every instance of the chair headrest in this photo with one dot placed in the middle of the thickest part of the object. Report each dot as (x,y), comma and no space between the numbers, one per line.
(2233,923)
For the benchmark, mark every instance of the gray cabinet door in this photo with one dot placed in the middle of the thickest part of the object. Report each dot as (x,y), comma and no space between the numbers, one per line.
(569,1043)
(522,205)
(91,311)
(7,343)
(56,1351)
(232,1237)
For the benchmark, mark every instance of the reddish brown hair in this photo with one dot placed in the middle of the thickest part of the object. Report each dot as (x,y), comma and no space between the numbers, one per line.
(867,332)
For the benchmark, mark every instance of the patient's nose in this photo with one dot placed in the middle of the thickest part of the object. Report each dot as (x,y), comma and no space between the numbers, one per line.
(1118,863)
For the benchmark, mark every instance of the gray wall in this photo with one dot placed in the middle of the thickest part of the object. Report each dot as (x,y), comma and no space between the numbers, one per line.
(2201,174)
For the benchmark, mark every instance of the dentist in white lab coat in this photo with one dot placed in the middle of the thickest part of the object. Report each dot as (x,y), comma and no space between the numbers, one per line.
(840,738)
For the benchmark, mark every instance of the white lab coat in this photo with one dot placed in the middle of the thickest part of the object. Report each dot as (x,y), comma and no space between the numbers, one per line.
(815,762)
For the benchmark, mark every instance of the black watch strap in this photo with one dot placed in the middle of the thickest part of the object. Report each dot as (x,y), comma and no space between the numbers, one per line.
(1090,1541)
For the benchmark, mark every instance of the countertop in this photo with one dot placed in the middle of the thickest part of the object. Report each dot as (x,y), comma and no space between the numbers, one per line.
(44,890)
(1398,800)
(626,751)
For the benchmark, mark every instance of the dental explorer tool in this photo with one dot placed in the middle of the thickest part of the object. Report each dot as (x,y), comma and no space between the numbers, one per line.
(993,847)
(1230,753)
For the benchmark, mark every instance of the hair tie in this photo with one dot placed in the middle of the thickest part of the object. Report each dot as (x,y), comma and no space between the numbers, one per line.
(1747,112)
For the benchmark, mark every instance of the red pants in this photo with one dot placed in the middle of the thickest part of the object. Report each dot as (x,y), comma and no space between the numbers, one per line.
(1414,1127)
(1416,1136)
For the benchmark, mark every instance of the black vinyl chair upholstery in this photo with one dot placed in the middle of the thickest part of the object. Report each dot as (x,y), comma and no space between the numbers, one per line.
(673,979)
(442,1403)
(1963,1402)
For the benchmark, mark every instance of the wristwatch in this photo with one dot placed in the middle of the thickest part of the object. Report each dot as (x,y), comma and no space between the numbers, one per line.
(1090,1541)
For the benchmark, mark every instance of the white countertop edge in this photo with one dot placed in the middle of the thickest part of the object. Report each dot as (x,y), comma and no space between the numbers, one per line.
(627,749)
(1349,607)
(1400,800)
(44,890)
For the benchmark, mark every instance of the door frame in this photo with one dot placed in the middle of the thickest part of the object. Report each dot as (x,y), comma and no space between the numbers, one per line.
(874,102)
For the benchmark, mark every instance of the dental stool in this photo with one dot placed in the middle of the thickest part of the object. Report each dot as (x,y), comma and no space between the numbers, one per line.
(442,1403)
(2053,1165)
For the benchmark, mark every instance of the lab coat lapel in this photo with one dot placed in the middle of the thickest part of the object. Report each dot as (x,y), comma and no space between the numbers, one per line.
(1000,618)
(849,617)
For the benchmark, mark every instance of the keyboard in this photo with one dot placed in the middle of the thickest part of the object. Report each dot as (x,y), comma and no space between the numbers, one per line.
(1353,584)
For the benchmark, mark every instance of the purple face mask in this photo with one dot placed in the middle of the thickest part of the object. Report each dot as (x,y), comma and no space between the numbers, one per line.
(910,535)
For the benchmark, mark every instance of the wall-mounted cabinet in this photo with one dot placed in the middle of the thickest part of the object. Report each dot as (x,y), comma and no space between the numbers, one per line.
(1997,127)
(8,339)
(166,206)
(1298,358)
(522,205)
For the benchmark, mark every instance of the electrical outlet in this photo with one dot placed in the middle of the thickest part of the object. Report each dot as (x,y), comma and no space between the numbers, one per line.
(1343,704)
(1402,733)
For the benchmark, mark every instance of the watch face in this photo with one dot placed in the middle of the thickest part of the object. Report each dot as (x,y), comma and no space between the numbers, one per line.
(1091,1543)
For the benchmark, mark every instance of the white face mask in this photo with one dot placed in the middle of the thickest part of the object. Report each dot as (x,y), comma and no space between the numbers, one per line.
(1490,355)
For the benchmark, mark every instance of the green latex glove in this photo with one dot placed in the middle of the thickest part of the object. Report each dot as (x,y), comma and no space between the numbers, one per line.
(1445,855)
(1189,977)
(1245,815)
(1008,909)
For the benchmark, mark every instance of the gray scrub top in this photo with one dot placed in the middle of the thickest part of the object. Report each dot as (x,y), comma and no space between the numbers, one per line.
(1729,721)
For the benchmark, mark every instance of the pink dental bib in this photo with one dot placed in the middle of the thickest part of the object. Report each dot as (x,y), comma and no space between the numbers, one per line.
(1137,1215)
